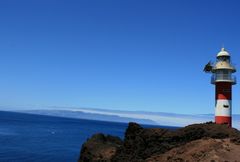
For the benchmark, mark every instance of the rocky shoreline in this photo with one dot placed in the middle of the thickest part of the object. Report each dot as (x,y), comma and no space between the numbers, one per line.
(198,142)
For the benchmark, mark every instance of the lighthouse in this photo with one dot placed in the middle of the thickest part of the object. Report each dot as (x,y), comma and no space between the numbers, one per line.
(223,80)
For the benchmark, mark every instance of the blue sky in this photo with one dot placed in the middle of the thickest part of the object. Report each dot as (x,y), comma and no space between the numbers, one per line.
(121,55)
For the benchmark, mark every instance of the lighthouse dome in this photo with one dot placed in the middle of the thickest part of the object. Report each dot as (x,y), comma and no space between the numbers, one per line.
(223,52)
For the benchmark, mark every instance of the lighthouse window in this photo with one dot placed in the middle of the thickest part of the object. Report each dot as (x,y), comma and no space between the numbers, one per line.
(226,72)
(226,106)
(223,71)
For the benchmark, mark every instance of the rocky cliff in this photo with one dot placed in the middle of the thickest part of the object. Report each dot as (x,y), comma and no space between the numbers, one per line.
(198,142)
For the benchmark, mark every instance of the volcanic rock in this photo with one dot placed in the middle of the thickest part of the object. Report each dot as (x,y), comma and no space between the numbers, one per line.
(99,148)
(198,142)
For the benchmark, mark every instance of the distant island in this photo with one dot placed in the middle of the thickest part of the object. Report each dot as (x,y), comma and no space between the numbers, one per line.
(142,117)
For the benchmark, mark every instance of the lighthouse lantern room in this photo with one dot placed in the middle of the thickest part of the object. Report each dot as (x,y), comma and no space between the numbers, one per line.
(223,80)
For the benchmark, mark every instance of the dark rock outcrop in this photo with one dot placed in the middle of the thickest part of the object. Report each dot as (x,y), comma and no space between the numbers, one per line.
(141,144)
(99,148)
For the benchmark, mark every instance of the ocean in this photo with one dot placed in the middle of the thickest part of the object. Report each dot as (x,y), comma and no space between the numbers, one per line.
(38,138)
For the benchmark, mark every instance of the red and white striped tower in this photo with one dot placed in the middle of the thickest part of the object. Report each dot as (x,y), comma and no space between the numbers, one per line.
(223,80)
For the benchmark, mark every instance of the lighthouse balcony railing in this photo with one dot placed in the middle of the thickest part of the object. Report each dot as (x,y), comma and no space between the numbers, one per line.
(223,78)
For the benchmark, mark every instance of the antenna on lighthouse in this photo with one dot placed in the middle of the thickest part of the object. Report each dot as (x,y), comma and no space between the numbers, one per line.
(208,67)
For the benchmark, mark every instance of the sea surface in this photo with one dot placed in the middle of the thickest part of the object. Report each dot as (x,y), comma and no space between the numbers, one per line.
(38,138)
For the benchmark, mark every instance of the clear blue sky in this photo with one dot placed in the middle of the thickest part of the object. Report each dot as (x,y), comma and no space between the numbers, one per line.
(122,55)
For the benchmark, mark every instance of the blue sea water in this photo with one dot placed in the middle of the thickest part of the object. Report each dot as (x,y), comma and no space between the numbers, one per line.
(38,138)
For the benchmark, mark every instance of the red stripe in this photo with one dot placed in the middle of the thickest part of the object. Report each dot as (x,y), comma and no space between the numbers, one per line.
(224,120)
(223,90)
